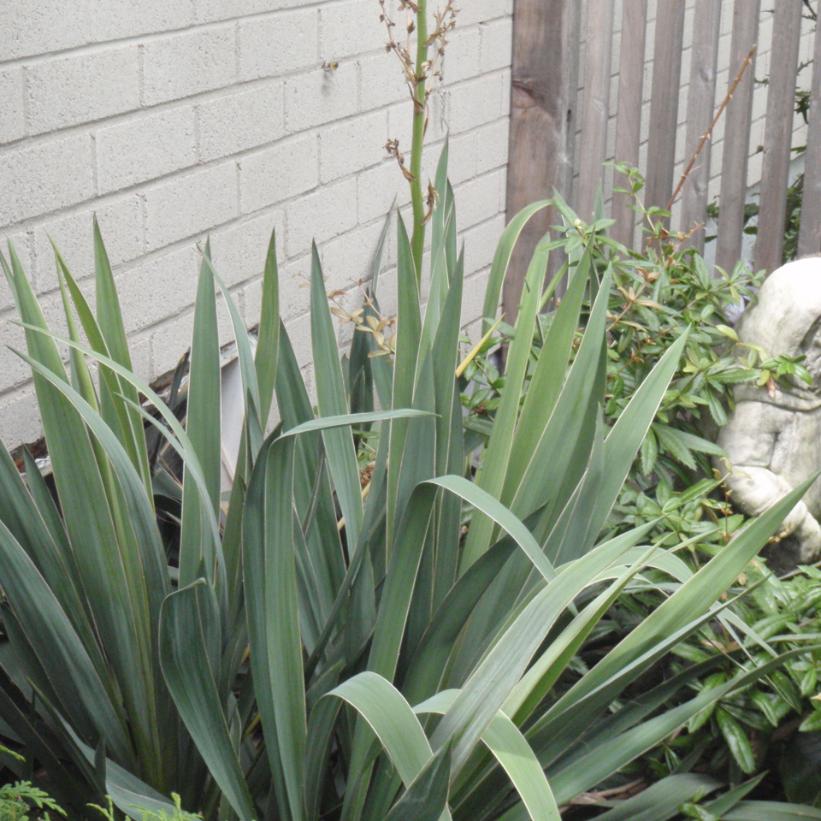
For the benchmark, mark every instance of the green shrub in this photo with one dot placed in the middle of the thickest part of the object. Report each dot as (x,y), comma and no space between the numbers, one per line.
(656,293)
(367,626)
(221,674)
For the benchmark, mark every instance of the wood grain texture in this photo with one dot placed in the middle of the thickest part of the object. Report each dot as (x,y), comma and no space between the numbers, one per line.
(809,236)
(769,243)
(737,138)
(628,118)
(661,143)
(595,104)
(542,125)
(700,104)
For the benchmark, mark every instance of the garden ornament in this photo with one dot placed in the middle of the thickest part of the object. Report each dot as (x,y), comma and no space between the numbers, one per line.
(773,438)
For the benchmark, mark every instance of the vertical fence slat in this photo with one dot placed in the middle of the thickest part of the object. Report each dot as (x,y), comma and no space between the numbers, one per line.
(700,103)
(628,119)
(661,143)
(769,244)
(595,103)
(809,236)
(542,122)
(736,137)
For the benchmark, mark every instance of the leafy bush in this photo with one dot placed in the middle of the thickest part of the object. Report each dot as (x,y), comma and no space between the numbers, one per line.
(656,293)
(383,618)
(218,667)
(18,800)
(761,727)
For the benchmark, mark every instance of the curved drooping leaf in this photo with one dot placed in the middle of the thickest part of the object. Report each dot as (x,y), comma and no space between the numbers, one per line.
(504,251)
(47,631)
(189,646)
(662,800)
(392,721)
(510,748)
(203,420)
(269,571)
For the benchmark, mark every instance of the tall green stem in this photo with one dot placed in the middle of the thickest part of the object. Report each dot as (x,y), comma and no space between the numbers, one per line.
(419,116)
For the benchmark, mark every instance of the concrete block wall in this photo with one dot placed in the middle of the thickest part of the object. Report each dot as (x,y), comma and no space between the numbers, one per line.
(173,120)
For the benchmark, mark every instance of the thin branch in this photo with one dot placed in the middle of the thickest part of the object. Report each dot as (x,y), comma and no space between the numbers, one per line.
(709,132)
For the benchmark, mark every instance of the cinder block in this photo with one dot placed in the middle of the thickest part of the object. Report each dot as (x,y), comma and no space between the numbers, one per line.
(278,44)
(169,342)
(377,189)
(480,11)
(462,54)
(497,44)
(239,250)
(171,276)
(21,240)
(352,145)
(209,10)
(13,369)
(480,243)
(480,199)
(139,347)
(30,27)
(189,62)
(320,97)
(114,19)
(145,147)
(172,338)
(492,145)
(473,295)
(462,158)
(320,216)
(294,288)
(253,259)
(241,119)
(279,172)
(20,417)
(351,28)
(33,27)
(400,123)
(382,81)
(12,123)
(348,259)
(80,88)
(121,225)
(37,179)
(299,332)
(506,80)
(191,204)
(475,103)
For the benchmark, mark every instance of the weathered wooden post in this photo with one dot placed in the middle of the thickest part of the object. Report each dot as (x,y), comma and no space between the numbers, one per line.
(772,210)
(542,122)
(736,138)
(809,236)
(661,142)
(628,118)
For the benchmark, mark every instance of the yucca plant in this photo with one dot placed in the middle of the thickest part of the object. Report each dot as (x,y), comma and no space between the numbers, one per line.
(444,606)
(368,626)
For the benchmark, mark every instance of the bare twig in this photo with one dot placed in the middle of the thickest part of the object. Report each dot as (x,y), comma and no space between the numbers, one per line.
(596,797)
(709,132)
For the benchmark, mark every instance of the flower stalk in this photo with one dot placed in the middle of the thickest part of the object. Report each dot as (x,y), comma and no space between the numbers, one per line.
(419,122)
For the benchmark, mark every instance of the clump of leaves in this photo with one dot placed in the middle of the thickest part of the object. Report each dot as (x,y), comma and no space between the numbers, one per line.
(175,814)
(776,722)
(20,799)
(656,293)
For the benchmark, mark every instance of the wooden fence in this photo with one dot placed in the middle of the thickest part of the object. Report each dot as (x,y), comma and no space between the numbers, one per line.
(549,125)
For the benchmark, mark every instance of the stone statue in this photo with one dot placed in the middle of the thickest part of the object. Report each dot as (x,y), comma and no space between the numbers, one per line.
(773,438)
